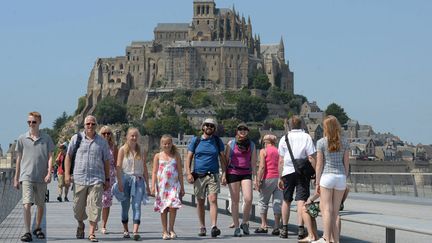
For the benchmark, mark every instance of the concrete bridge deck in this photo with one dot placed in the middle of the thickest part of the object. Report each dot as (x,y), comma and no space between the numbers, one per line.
(61,226)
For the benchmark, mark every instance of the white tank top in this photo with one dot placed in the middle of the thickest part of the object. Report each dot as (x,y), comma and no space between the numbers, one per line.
(131,166)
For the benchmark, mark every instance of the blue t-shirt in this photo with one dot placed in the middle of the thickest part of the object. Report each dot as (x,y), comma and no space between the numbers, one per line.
(206,154)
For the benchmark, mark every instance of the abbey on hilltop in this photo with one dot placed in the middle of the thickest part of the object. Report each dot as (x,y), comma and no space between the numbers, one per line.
(216,51)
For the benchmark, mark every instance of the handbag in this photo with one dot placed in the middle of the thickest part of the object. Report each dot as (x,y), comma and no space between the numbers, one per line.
(301,166)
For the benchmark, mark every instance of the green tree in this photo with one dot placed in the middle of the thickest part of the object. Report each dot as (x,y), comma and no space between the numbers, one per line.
(337,111)
(276,123)
(251,108)
(255,136)
(277,96)
(260,81)
(110,110)
(223,114)
(229,127)
(201,99)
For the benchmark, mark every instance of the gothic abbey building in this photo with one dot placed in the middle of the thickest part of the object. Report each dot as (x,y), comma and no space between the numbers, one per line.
(216,51)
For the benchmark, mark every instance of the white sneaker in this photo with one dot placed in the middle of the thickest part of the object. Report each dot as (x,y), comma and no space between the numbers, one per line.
(321,240)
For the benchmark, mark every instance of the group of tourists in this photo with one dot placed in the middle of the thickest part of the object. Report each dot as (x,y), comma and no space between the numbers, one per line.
(100,172)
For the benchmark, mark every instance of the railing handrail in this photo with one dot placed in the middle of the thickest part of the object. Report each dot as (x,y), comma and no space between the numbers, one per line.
(390,173)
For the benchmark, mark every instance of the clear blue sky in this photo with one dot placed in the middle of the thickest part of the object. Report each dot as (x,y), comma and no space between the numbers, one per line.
(371,57)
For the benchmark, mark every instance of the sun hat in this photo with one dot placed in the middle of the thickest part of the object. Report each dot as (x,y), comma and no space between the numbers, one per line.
(242,124)
(210,121)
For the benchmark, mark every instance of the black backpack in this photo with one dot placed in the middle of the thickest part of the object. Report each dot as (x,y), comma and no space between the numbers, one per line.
(74,152)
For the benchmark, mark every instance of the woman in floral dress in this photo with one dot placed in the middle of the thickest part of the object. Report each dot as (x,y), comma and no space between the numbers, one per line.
(106,133)
(167,184)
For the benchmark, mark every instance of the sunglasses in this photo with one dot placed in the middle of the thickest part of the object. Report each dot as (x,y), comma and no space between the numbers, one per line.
(209,125)
(106,133)
(242,129)
(31,122)
(89,123)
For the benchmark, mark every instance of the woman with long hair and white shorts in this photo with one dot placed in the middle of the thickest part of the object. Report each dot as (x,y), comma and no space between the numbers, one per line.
(331,175)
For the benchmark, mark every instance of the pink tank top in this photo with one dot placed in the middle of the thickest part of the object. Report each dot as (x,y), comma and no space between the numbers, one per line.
(271,161)
(240,163)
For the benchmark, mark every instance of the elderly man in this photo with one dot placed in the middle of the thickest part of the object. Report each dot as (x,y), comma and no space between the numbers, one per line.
(207,150)
(90,175)
(33,172)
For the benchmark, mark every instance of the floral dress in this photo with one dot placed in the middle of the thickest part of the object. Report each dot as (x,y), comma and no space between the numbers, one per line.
(168,184)
(107,195)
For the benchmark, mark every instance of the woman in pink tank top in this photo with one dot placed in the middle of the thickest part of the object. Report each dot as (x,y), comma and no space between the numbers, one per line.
(266,183)
(241,156)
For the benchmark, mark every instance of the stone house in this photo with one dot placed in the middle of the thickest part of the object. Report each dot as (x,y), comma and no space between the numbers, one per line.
(197,116)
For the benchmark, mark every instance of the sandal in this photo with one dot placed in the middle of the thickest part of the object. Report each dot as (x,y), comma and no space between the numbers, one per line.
(39,234)
(92,238)
(126,235)
(165,236)
(173,235)
(80,232)
(261,231)
(104,231)
(27,237)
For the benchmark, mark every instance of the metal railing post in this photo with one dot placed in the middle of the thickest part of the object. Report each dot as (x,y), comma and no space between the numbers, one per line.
(415,186)
(390,235)
(392,185)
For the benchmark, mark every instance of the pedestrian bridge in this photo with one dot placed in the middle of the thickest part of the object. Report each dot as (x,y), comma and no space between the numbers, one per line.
(366,218)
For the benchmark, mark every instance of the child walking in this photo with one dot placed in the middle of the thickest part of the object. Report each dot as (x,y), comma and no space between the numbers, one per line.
(167,184)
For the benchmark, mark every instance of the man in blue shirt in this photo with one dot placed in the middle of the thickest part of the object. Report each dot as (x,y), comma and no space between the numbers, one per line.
(207,150)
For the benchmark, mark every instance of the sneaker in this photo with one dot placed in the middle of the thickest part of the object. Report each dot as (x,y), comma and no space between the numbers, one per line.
(321,240)
(59,199)
(215,231)
(245,228)
(66,199)
(276,231)
(301,233)
(237,232)
(202,232)
(284,232)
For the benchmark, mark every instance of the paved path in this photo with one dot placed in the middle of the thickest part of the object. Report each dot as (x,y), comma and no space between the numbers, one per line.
(62,226)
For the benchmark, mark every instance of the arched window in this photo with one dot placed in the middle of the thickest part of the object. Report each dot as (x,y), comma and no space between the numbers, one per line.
(121,66)
(118,80)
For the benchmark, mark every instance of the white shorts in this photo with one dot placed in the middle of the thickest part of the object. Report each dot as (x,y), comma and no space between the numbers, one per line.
(333,181)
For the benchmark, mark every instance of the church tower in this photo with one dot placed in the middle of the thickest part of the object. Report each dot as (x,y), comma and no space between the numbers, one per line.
(204,19)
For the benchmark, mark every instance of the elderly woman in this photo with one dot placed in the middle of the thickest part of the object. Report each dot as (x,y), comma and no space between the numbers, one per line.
(266,182)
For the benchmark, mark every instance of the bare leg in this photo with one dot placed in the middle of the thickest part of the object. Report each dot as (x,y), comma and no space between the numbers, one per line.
(27,216)
(105,214)
(264,221)
(172,218)
(200,210)
(164,220)
(337,198)
(235,198)
(39,216)
(326,206)
(246,187)
(285,212)
(213,208)
(92,227)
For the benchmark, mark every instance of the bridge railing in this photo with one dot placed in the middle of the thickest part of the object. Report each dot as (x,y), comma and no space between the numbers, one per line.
(400,184)
(9,196)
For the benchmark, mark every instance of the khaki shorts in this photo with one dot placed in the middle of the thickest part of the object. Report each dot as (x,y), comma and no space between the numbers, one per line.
(33,192)
(88,202)
(209,184)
